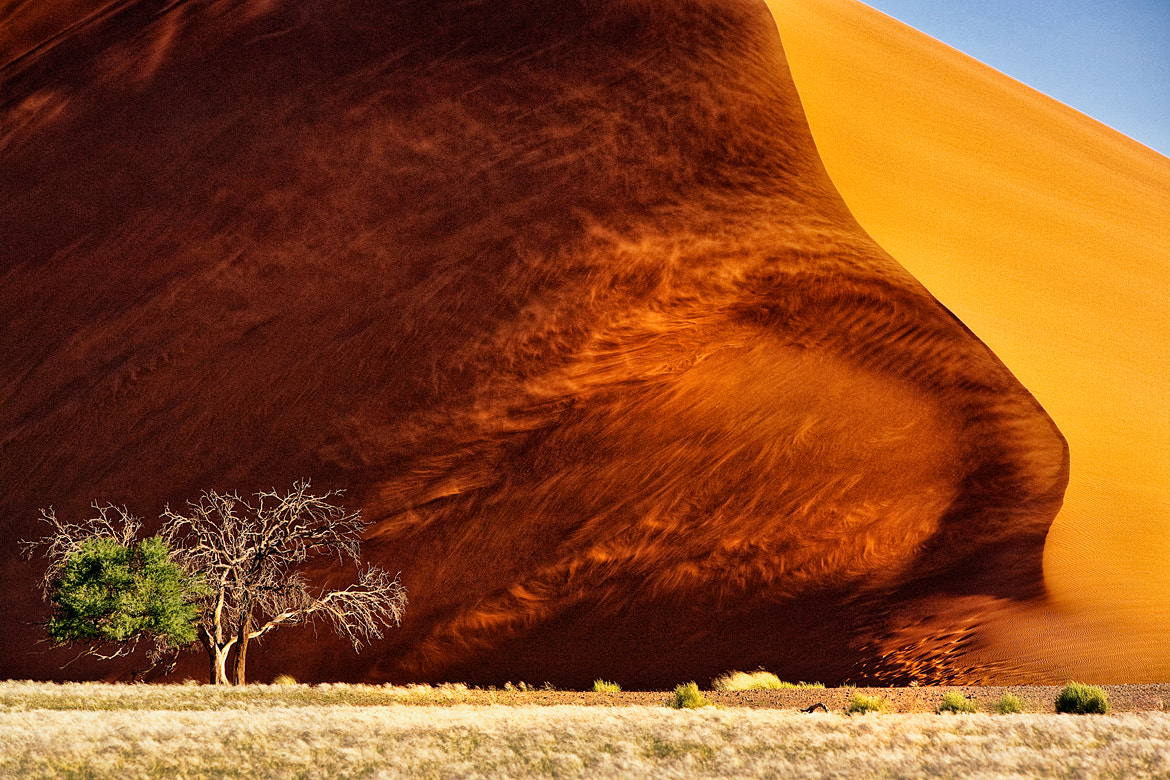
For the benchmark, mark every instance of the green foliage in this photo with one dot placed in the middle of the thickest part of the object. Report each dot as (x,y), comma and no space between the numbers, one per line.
(1080,699)
(861,703)
(953,701)
(687,696)
(108,592)
(1009,704)
(605,686)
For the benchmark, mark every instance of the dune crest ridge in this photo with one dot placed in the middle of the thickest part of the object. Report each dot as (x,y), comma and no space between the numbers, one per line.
(560,293)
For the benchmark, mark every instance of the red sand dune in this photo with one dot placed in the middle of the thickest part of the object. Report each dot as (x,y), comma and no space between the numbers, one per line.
(561,293)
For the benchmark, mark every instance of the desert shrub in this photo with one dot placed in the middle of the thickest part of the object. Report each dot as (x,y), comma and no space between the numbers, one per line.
(1009,704)
(1080,699)
(953,701)
(284,679)
(687,696)
(861,703)
(605,686)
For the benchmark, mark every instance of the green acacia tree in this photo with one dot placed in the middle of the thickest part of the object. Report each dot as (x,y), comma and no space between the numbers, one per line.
(111,591)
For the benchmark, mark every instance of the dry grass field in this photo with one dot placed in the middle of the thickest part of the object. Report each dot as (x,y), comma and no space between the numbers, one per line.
(98,731)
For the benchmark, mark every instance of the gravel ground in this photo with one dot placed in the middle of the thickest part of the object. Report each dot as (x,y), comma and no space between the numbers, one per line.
(1037,698)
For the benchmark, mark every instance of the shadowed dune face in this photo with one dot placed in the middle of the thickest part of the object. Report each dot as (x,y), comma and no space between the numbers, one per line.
(561,294)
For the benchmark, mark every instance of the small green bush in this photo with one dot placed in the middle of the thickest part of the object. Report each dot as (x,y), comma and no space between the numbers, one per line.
(953,701)
(605,686)
(687,696)
(860,703)
(1009,704)
(1080,699)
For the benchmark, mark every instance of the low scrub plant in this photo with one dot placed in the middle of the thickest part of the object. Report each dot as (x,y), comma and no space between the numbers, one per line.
(1080,699)
(284,679)
(953,701)
(687,696)
(756,681)
(605,686)
(1009,704)
(861,704)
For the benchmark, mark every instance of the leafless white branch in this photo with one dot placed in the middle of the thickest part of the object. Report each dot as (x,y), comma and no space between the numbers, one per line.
(249,552)
(66,538)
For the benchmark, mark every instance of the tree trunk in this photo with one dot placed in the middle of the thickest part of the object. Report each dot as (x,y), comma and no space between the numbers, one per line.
(242,649)
(219,665)
(209,645)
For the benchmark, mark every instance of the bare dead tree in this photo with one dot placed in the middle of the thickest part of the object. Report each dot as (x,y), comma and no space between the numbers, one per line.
(248,554)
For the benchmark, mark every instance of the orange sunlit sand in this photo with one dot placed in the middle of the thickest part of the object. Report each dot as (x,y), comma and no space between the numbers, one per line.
(563,296)
(1048,234)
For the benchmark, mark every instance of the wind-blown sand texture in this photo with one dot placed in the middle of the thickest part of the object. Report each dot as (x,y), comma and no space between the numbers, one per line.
(562,295)
(1049,235)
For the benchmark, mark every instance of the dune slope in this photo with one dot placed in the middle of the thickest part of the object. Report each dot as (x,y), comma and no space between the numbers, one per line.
(560,293)
(1046,232)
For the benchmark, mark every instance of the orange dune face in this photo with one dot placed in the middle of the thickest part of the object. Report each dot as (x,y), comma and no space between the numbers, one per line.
(560,293)
(1047,234)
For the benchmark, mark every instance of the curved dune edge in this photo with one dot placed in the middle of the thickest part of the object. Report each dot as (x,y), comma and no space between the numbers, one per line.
(1047,234)
(563,296)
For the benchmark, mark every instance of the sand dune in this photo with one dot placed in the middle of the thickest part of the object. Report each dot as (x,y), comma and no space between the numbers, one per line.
(562,295)
(1047,234)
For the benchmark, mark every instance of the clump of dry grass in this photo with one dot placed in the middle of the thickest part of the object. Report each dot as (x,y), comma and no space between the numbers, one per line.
(759,680)
(605,686)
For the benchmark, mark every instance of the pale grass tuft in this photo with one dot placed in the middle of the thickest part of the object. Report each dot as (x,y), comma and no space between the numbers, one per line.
(759,680)
(605,686)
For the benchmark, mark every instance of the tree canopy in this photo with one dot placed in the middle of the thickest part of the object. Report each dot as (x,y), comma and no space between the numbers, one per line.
(111,593)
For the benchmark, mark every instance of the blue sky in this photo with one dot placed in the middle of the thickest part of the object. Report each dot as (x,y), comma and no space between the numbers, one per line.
(1109,59)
